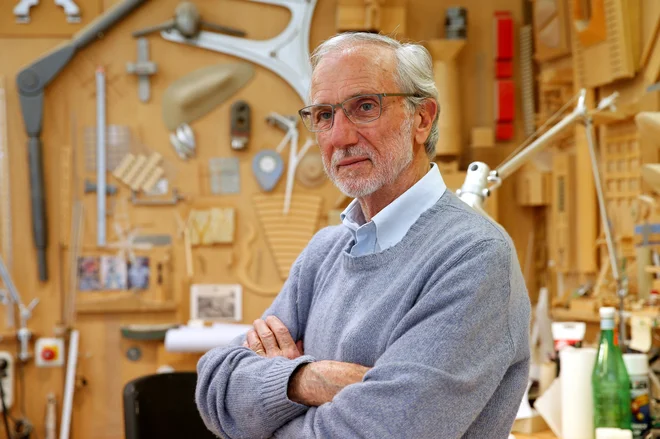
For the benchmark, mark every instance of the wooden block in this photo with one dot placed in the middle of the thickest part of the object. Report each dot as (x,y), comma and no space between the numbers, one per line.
(532,186)
(124,166)
(145,171)
(551,29)
(592,27)
(134,170)
(153,179)
(213,226)
(482,137)
(583,304)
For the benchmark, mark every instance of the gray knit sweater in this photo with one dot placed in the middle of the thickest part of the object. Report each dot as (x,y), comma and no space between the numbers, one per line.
(442,318)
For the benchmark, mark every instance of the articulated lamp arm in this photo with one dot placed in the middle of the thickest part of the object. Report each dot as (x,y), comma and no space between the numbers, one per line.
(475,189)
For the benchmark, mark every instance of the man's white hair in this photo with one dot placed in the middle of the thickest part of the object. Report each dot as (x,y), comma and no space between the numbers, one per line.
(414,71)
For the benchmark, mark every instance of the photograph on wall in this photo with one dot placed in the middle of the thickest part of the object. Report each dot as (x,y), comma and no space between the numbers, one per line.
(113,273)
(138,273)
(89,278)
(216,302)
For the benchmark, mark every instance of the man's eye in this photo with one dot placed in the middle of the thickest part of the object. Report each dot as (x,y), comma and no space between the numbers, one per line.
(366,106)
(324,115)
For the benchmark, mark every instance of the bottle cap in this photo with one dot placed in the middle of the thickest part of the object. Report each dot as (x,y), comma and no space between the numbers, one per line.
(607,312)
(636,364)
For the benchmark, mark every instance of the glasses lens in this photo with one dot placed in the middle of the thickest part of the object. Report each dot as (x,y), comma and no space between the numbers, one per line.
(317,117)
(362,109)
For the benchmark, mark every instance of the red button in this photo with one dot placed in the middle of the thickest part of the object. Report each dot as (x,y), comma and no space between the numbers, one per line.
(48,354)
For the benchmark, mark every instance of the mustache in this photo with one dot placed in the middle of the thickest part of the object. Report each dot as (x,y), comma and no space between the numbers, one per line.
(352,151)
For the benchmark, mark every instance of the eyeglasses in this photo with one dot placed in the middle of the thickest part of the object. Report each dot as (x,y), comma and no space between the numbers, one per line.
(358,109)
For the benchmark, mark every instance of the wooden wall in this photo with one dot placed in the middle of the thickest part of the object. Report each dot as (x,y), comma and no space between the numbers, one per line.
(70,107)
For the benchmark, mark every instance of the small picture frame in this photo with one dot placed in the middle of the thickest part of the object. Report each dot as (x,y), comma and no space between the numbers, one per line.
(89,276)
(113,273)
(138,273)
(216,302)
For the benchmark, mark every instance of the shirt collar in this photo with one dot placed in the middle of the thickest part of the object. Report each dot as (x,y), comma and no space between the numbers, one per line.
(394,221)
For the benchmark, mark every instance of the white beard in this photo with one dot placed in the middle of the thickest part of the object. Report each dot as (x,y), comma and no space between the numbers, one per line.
(385,170)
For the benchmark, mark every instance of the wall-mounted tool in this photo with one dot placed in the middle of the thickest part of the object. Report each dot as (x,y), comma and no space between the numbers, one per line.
(289,124)
(225,175)
(31,82)
(267,167)
(310,170)
(91,188)
(240,125)
(71,9)
(100,157)
(196,94)
(188,22)
(143,68)
(212,226)
(176,197)
(141,172)
(287,54)
(117,143)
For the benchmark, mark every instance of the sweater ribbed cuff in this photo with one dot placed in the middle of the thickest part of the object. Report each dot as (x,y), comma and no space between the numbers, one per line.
(274,391)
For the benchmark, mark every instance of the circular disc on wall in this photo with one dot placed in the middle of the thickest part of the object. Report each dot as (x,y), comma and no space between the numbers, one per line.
(310,170)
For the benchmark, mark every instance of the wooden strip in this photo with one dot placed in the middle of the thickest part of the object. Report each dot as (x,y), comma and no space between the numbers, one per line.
(650,43)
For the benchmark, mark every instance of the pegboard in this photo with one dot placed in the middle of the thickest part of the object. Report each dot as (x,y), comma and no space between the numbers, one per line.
(69,109)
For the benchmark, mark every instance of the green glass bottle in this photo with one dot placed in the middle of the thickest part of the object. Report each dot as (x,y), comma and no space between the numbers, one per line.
(610,381)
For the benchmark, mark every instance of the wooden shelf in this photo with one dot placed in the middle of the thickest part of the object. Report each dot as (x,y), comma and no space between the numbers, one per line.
(127,304)
(562,314)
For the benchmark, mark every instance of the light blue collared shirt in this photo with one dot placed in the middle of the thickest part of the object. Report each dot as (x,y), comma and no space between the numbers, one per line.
(388,227)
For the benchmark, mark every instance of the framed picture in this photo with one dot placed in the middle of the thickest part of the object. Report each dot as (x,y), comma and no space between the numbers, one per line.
(216,302)
(113,273)
(138,273)
(89,278)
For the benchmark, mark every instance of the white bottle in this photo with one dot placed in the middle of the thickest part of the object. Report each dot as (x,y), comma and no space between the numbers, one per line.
(638,370)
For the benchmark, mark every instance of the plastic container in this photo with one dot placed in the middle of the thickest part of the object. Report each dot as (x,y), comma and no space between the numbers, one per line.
(640,397)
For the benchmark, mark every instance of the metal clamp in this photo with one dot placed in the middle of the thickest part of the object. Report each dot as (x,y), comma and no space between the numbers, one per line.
(176,197)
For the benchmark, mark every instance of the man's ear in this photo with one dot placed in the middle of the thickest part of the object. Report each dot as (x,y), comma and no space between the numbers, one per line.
(425,116)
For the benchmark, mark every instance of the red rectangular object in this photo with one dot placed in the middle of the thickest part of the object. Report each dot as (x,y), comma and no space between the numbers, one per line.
(503,37)
(503,69)
(504,131)
(505,93)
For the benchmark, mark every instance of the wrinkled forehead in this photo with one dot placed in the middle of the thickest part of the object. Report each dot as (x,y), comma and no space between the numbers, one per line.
(350,71)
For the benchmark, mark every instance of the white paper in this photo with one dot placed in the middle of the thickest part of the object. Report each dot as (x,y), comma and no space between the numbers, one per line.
(195,339)
(640,333)
(577,408)
(549,406)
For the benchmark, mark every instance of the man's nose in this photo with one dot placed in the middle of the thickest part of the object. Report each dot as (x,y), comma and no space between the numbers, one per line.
(343,132)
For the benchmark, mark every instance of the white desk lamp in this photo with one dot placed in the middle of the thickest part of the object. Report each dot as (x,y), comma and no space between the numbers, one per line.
(476,187)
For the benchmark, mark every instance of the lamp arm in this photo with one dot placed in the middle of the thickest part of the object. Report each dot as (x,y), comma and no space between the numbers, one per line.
(505,170)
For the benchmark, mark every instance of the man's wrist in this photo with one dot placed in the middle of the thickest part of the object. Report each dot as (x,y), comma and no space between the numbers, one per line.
(296,388)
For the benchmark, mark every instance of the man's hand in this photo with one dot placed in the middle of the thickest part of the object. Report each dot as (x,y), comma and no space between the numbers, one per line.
(270,338)
(316,383)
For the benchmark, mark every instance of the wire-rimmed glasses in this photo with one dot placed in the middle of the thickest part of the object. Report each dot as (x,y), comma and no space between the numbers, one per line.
(358,109)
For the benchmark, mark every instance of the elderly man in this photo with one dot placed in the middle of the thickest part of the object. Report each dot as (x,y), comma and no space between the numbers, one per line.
(409,320)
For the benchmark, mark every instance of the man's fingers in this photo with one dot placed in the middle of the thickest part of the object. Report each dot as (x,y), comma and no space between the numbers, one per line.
(266,336)
(254,342)
(282,335)
(299,345)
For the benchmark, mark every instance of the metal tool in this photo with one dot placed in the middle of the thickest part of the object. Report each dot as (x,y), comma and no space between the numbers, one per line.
(143,68)
(176,197)
(71,10)
(188,22)
(25,312)
(240,125)
(290,125)
(287,54)
(92,187)
(22,10)
(153,240)
(100,157)
(183,141)
(31,82)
